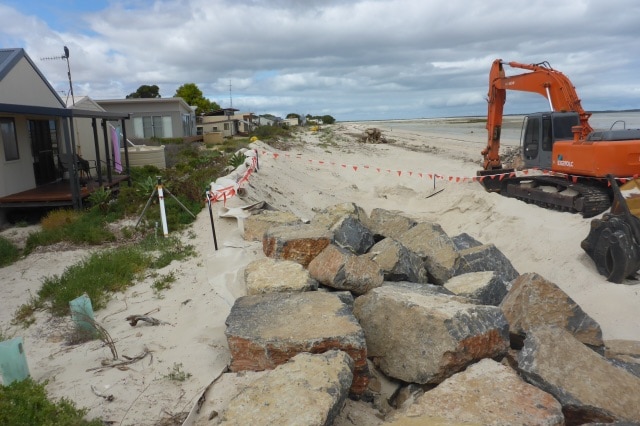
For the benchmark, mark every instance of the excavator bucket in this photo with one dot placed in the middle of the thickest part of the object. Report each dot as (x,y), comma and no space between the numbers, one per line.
(491,180)
(614,240)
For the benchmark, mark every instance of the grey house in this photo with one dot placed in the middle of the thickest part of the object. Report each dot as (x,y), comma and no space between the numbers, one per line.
(154,117)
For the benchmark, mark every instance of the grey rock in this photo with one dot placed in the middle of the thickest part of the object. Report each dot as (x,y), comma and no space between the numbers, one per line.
(486,393)
(264,331)
(397,262)
(484,287)
(589,388)
(308,389)
(340,269)
(533,301)
(433,245)
(486,257)
(351,234)
(418,336)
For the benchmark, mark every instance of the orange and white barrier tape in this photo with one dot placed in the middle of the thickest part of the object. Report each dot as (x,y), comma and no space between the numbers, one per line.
(227,187)
(437,176)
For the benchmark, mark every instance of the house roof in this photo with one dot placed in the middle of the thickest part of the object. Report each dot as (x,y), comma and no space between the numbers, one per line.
(145,100)
(8,60)
(10,57)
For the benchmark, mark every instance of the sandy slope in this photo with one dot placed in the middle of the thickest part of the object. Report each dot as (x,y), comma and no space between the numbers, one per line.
(316,171)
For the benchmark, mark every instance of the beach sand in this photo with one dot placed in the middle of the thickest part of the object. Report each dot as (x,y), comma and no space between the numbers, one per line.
(426,174)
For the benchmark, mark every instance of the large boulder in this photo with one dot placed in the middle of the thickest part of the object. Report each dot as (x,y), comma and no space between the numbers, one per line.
(307,390)
(486,257)
(268,275)
(331,215)
(388,223)
(338,268)
(533,301)
(351,234)
(433,245)
(267,330)
(486,393)
(397,262)
(258,223)
(300,243)
(590,388)
(417,335)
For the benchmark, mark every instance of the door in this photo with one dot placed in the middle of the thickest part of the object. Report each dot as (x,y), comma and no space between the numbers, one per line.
(44,149)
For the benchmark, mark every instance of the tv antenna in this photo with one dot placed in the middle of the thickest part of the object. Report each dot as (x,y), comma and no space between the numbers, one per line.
(65,56)
(230,98)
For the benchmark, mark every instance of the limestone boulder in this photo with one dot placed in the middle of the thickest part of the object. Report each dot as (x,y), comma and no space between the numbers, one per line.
(268,275)
(338,268)
(433,245)
(486,288)
(388,223)
(267,330)
(299,243)
(590,388)
(419,336)
(533,301)
(486,393)
(331,215)
(258,223)
(309,389)
(397,262)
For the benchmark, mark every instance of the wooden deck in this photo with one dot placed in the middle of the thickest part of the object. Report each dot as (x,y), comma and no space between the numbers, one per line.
(56,193)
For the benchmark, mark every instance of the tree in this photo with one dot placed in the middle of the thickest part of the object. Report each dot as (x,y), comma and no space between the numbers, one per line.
(145,91)
(192,95)
(293,115)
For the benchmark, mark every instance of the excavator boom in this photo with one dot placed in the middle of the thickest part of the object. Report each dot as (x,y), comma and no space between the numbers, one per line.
(541,79)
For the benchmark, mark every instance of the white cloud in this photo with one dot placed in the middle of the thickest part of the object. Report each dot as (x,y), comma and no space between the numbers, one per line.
(352,59)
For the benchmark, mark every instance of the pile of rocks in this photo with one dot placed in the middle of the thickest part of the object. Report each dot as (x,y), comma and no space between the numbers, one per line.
(353,310)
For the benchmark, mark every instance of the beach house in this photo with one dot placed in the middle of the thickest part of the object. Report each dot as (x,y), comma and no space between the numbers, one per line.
(41,154)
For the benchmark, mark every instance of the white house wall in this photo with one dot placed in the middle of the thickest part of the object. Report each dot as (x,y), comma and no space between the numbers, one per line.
(24,86)
(17,175)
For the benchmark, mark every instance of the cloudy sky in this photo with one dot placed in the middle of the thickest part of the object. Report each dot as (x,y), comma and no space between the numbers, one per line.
(352,59)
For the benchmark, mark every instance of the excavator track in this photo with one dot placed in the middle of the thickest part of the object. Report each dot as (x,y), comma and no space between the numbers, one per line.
(558,193)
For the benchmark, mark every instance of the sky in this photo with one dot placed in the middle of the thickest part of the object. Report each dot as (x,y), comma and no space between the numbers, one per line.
(351,59)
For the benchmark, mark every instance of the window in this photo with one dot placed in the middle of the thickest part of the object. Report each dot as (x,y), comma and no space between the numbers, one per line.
(9,139)
(152,126)
(226,126)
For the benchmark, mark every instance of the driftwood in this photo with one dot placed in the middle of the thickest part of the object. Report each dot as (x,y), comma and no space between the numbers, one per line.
(101,395)
(121,365)
(133,319)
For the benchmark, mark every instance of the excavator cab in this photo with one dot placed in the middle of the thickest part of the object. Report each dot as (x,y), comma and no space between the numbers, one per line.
(540,131)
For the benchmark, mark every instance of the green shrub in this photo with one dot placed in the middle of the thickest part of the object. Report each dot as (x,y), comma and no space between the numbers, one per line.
(26,403)
(98,275)
(9,253)
(59,218)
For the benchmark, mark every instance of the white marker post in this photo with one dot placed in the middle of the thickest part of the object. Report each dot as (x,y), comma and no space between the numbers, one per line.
(163,215)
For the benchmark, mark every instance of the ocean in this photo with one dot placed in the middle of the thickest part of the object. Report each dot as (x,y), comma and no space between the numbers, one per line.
(473,128)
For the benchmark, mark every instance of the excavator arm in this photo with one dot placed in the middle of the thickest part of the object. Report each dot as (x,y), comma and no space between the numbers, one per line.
(542,79)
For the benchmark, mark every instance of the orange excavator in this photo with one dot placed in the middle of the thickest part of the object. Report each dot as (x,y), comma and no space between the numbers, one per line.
(575,158)
(580,166)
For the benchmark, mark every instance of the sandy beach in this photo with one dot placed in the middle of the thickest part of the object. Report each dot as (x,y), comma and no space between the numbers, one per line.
(426,174)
